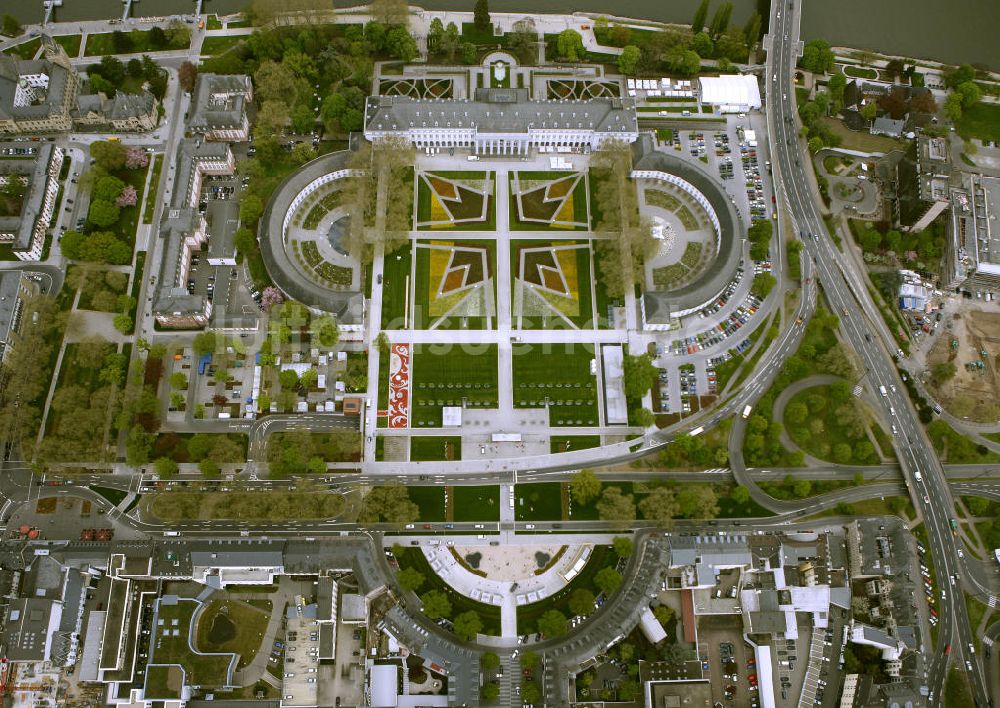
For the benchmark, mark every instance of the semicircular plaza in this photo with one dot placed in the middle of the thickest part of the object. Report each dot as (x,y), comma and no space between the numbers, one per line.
(299,241)
(654,167)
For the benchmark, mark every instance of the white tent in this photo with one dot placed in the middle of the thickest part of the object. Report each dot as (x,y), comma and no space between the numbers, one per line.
(733,93)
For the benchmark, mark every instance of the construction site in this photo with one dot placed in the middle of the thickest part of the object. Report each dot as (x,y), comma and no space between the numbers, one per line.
(970,343)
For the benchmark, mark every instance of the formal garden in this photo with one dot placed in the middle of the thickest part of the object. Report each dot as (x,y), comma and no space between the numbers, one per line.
(551,284)
(454,285)
(548,200)
(463,200)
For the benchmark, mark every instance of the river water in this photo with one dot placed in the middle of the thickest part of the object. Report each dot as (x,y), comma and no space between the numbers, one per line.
(954,31)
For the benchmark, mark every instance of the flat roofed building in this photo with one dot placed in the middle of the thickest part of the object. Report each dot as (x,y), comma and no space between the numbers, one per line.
(29,628)
(25,232)
(15,287)
(731,93)
(184,231)
(220,107)
(502,122)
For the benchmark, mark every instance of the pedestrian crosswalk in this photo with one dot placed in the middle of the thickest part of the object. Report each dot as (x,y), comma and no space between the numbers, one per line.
(857,391)
(994,601)
(987,642)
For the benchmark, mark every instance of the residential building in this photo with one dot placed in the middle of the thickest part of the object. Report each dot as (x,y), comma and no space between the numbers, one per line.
(220,104)
(125,113)
(974,259)
(37,96)
(15,287)
(502,122)
(185,231)
(25,232)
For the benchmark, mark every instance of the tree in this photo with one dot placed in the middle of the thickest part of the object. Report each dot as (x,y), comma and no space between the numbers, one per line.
(327,331)
(204,343)
(643,417)
(103,213)
(11,27)
(127,198)
(309,378)
(703,44)
(720,20)
(390,502)
(136,158)
(751,30)
(288,379)
(109,156)
(106,187)
(970,94)
(959,76)
(529,659)
(700,15)
(698,501)
(942,372)
(552,623)
(410,579)
(178,34)
(468,52)
(489,660)
(123,323)
(530,692)
(436,604)
(400,44)
(763,284)
(584,486)
(628,60)
(615,506)
(639,375)
(569,45)
(817,57)
(481,15)
(623,546)
(608,580)
(187,73)
(869,111)
(251,208)
(209,468)
(953,106)
(467,625)
(581,602)
(390,12)
(660,506)
(165,468)
(490,691)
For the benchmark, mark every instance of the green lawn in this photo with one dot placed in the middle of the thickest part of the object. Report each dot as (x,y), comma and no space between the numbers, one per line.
(538,502)
(26,50)
(476,503)
(218,45)
(395,277)
(70,42)
(163,682)
(489,614)
(561,374)
(955,448)
(530,205)
(565,443)
(431,502)
(860,72)
(154,185)
(447,375)
(115,496)
(527,615)
(730,509)
(230,625)
(101,44)
(435,448)
(981,121)
(169,644)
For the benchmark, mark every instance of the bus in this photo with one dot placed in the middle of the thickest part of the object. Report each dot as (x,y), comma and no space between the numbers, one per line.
(697,431)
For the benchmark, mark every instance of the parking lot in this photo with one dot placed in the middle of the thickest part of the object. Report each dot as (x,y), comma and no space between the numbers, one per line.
(726,660)
(299,685)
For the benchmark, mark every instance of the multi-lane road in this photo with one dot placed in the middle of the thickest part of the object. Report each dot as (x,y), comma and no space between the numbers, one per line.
(861,327)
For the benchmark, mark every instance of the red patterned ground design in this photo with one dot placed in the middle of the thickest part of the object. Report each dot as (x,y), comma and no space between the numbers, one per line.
(399,386)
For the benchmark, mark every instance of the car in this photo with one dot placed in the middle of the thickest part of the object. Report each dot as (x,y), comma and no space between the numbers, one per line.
(427,526)
(927,500)
(480,526)
(449,526)
(961,553)
(529,526)
(409,526)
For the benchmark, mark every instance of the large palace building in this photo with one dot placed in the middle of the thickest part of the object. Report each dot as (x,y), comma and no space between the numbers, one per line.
(502,121)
